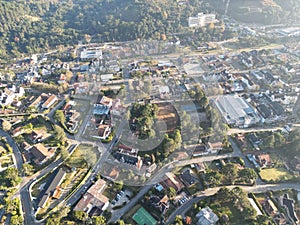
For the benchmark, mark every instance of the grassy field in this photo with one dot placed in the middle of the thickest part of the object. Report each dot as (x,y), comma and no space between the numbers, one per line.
(275,174)
(85,155)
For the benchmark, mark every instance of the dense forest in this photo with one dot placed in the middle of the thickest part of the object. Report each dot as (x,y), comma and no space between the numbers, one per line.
(28,26)
(260,11)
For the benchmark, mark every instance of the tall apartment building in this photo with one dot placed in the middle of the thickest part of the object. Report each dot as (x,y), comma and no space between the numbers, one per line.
(202,20)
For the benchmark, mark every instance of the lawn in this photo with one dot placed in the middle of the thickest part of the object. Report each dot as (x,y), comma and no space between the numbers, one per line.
(84,155)
(275,174)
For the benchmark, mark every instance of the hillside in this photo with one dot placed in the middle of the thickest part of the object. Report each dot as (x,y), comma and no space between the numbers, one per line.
(259,11)
(34,25)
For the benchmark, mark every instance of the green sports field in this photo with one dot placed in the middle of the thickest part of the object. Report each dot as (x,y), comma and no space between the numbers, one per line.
(142,217)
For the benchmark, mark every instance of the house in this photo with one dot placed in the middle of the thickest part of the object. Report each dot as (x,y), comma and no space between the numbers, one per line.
(100,110)
(103,100)
(181,198)
(254,139)
(162,204)
(50,101)
(39,100)
(62,79)
(81,88)
(289,206)
(207,217)
(104,131)
(133,160)
(6,97)
(93,201)
(200,150)
(36,102)
(214,147)
(106,77)
(187,178)
(171,180)
(10,93)
(18,131)
(270,207)
(38,136)
(264,160)
(40,153)
(52,187)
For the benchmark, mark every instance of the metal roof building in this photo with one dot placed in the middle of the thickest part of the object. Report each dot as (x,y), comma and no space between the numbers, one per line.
(236,111)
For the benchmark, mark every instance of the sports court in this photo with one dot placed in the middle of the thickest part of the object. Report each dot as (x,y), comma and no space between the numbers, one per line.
(142,217)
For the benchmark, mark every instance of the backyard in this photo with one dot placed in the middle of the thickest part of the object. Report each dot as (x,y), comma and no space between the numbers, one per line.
(275,174)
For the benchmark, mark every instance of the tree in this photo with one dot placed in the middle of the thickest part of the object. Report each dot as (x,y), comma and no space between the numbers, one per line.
(224,194)
(168,145)
(230,172)
(11,177)
(248,174)
(6,126)
(178,220)
(60,134)
(119,185)
(59,116)
(177,139)
(80,215)
(64,152)
(171,192)
(270,141)
(264,220)
(99,220)
(121,222)
(28,169)
(16,220)
(53,221)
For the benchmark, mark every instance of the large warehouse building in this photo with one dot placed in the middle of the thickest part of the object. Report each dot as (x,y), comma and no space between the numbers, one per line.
(236,111)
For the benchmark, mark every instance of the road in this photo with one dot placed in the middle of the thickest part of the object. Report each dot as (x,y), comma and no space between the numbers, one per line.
(117,214)
(211,191)
(168,168)
(97,167)
(15,148)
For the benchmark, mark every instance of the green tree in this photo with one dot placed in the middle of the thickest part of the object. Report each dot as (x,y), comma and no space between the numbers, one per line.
(248,174)
(53,221)
(80,216)
(59,116)
(28,169)
(11,177)
(230,172)
(99,220)
(16,220)
(177,139)
(270,141)
(171,192)
(59,133)
(64,152)
(121,222)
